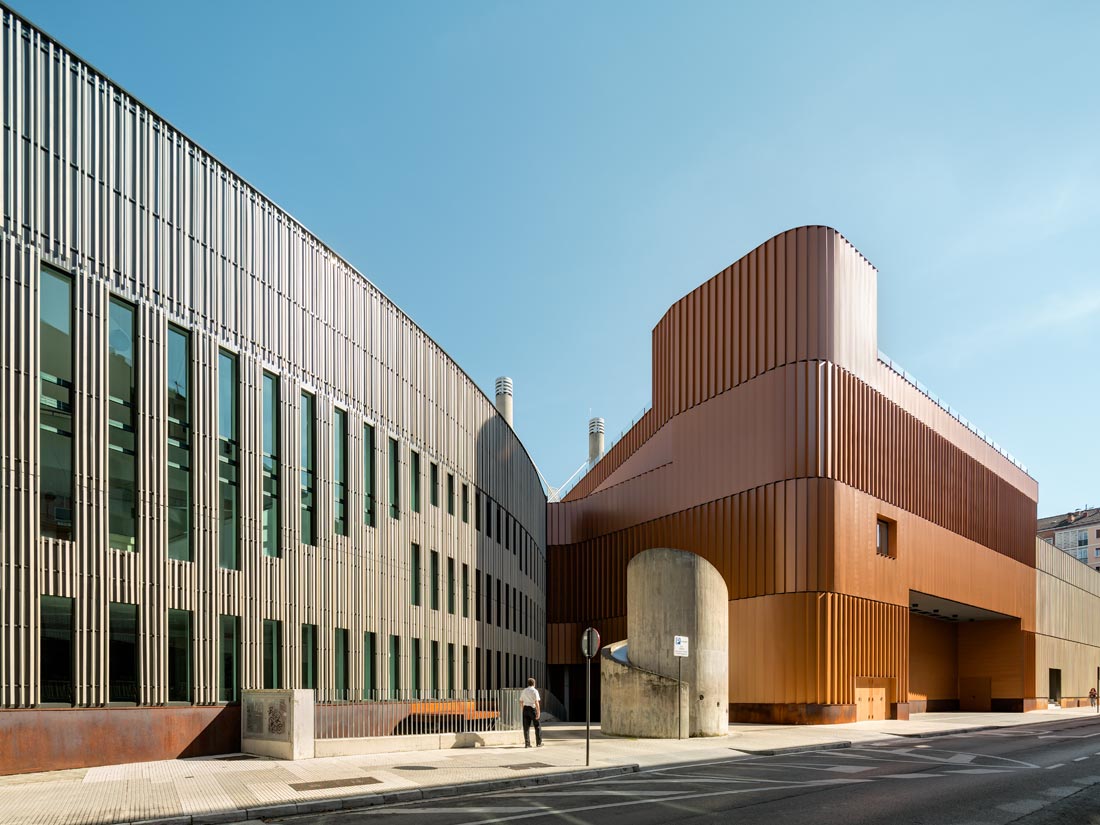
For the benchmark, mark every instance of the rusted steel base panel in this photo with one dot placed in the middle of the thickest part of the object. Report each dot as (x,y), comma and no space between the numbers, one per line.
(792,714)
(54,739)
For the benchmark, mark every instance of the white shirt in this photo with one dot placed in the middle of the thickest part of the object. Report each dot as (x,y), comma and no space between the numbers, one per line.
(529,698)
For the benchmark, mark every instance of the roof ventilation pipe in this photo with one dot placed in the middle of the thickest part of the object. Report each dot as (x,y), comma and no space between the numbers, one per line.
(504,398)
(595,440)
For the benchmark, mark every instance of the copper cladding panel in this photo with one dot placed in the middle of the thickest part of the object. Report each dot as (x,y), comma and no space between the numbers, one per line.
(775,440)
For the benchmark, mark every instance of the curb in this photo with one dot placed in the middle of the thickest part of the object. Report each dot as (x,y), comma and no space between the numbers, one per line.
(821,746)
(344,803)
(952,732)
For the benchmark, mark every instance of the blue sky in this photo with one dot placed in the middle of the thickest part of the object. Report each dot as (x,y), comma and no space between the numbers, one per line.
(555,175)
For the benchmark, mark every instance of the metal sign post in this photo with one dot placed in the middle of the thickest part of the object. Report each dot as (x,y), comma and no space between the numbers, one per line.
(590,645)
(680,651)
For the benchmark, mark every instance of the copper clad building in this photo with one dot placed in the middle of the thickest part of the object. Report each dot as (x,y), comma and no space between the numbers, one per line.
(879,553)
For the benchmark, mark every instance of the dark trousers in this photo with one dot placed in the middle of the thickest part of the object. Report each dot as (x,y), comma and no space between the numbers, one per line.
(529,719)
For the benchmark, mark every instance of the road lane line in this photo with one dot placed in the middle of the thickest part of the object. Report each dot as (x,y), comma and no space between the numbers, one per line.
(1052,767)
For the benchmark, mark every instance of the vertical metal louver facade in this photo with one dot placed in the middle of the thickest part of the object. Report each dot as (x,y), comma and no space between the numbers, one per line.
(100,191)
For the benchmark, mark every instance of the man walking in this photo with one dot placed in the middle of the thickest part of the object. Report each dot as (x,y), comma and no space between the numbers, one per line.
(532,709)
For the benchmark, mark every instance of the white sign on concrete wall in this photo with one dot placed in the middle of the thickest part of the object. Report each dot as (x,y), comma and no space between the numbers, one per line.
(680,646)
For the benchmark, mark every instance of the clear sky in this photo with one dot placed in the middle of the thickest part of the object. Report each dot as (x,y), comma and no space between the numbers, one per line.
(552,176)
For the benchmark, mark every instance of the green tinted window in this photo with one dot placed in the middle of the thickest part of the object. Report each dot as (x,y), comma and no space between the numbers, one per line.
(122,653)
(121,441)
(179,655)
(179,445)
(270,526)
(340,471)
(56,404)
(56,650)
(309,535)
(229,503)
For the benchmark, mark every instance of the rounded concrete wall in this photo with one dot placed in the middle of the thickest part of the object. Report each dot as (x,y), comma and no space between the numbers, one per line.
(676,593)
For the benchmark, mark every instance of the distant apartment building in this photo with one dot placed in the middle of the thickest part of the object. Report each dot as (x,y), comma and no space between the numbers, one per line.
(1076,533)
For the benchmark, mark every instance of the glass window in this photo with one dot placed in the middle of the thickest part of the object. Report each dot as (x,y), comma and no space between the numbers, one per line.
(179,445)
(308,536)
(414,573)
(465,504)
(273,654)
(121,441)
(465,590)
(368,474)
(309,656)
(450,494)
(465,667)
(341,655)
(340,471)
(395,480)
(414,481)
(434,666)
(414,667)
(450,585)
(435,580)
(56,404)
(500,600)
(488,599)
(450,666)
(477,510)
(270,527)
(122,653)
(228,530)
(477,595)
(370,671)
(395,666)
(882,538)
(488,517)
(179,655)
(433,484)
(498,511)
(55,650)
(229,655)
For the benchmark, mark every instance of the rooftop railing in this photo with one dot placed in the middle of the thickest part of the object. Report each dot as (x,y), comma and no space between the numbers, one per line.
(947,408)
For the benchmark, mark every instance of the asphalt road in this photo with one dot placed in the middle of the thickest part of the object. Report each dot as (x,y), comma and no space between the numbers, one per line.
(1029,775)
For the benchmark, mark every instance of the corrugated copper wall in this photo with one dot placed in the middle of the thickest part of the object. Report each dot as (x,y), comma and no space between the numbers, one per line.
(776,440)
(98,186)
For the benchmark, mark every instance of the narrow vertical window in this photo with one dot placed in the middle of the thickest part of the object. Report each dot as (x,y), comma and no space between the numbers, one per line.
(368,475)
(488,517)
(507,531)
(465,667)
(340,471)
(414,667)
(433,484)
(477,595)
(370,669)
(450,494)
(229,654)
(465,590)
(179,445)
(271,467)
(122,653)
(507,594)
(121,439)
(341,655)
(500,600)
(309,535)
(309,656)
(56,404)
(55,650)
(477,510)
(179,655)
(395,480)
(273,654)
(414,574)
(434,580)
(450,666)
(465,504)
(395,666)
(488,599)
(414,481)
(498,511)
(450,585)
(228,533)
(434,666)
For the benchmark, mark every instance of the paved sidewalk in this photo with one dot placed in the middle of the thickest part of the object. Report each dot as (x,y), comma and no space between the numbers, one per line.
(233,789)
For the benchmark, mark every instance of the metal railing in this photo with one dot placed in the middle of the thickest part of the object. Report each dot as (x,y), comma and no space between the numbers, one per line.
(943,405)
(360,714)
(573,482)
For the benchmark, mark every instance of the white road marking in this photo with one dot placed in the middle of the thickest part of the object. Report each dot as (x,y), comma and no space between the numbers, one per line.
(1023,806)
(1080,759)
(910,775)
(1052,767)
(980,770)
(1060,792)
